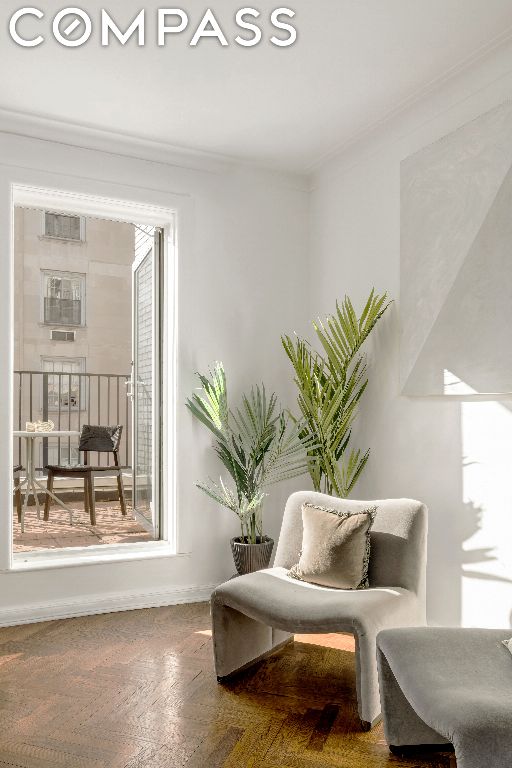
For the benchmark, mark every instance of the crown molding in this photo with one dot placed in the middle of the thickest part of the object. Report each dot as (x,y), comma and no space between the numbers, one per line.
(74,135)
(373,128)
(123,144)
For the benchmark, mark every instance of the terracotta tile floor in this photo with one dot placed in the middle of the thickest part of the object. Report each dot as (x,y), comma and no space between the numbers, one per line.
(57,533)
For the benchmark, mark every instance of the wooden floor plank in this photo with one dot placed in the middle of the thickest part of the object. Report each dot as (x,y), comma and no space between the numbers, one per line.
(138,690)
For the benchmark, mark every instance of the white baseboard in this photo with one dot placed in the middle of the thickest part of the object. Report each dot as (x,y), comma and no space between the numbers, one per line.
(93,604)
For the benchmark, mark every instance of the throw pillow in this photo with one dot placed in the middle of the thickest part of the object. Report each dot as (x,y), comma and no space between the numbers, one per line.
(335,547)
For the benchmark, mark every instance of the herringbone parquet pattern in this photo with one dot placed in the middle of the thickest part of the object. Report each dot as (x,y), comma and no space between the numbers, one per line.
(137,690)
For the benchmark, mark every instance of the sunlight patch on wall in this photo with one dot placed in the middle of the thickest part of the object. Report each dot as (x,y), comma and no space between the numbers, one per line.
(487,491)
(452,385)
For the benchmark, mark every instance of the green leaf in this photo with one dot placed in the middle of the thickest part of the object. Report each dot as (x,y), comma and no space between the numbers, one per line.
(330,387)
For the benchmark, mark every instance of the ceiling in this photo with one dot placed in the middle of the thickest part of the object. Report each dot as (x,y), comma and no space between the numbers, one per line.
(353,63)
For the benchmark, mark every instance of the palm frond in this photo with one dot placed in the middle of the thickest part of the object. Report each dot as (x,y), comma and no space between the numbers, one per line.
(258,443)
(330,387)
(212,408)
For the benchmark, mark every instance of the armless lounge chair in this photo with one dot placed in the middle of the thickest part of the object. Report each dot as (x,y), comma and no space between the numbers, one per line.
(448,686)
(254,614)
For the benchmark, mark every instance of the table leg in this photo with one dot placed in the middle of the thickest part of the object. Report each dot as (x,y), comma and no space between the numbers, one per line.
(56,498)
(34,490)
(24,508)
(28,480)
(32,484)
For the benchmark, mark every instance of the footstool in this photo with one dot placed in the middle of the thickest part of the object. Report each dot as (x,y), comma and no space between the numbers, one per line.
(441,686)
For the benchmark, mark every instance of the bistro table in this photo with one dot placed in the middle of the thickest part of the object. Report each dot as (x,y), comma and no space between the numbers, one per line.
(31,483)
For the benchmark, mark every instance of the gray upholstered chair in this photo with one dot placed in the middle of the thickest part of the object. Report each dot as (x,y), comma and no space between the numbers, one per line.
(254,614)
(447,685)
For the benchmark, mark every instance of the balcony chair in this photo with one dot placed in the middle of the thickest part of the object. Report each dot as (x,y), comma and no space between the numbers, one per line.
(17,493)
(97,440)
(254,614)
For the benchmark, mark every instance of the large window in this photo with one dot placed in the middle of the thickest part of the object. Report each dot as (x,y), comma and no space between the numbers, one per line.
(98,349)
(63,298)
(63,389)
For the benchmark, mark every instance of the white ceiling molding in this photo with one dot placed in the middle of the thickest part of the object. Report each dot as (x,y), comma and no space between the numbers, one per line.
(500,43)
(355,68)
(87,137)
(491,73)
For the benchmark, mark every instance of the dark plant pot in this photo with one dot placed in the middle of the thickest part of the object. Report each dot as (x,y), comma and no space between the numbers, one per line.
(251,557)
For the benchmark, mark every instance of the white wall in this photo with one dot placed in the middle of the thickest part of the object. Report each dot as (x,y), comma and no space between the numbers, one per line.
(455,456)
(247,272)
(242,281)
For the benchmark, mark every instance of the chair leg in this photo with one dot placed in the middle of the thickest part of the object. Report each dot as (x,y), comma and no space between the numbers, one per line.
(86,496)
(92,504)
(367,681)
(238,640)
(120,490)
(403,727)
(17,497)
(48,498)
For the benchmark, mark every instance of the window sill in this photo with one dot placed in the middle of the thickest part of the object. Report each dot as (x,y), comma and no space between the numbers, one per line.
(72,557)
(68,326)
(70,240)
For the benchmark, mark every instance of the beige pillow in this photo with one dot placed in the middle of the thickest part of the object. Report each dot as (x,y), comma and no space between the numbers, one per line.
(335,547)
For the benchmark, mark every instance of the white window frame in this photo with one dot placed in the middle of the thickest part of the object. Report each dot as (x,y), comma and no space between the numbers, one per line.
(45,236)
(45,274)
(130,205)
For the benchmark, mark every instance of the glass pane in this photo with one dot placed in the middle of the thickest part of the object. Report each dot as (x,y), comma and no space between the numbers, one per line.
(143,388)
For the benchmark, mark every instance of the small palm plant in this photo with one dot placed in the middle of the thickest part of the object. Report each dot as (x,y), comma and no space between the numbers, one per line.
(330,386)
(258,444)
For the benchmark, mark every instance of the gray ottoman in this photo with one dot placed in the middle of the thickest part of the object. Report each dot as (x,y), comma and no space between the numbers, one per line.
(442,686)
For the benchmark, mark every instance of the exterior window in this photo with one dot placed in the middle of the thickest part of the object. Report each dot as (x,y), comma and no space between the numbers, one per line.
(63,298)
(67,454)
(62,226)
(65,387)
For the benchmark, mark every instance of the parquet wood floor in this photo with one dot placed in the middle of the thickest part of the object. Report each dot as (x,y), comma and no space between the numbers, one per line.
(137,690)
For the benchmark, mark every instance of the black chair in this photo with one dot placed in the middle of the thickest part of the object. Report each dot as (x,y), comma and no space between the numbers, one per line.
(97,440)
(17,493)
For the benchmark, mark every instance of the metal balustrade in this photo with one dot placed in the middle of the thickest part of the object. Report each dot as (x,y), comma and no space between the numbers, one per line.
(71,400)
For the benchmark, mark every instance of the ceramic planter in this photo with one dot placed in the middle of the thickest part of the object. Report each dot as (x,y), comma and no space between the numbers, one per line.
(251,557)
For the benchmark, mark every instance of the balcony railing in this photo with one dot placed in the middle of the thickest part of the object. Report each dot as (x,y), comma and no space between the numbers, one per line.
(71,400)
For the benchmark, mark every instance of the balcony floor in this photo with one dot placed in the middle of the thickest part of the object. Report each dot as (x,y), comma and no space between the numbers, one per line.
(57,533)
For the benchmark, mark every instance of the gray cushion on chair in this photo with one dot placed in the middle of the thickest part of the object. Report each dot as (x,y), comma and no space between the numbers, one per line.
(458,682)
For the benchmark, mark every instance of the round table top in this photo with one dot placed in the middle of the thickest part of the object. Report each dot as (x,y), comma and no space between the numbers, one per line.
(53,433)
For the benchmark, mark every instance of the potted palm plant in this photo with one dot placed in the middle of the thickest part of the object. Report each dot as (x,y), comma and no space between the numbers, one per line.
(258,445)
(330,387)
